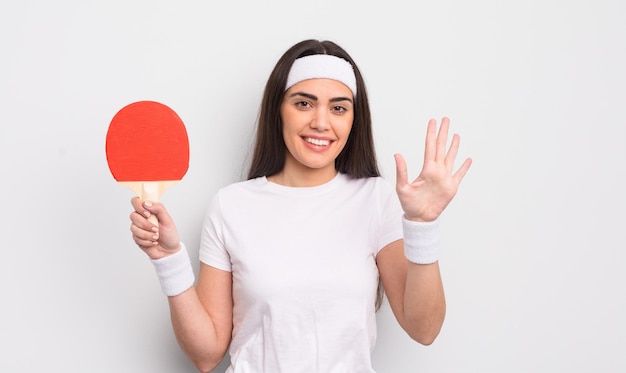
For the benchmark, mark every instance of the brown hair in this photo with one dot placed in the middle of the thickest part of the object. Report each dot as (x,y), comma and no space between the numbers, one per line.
(358,158)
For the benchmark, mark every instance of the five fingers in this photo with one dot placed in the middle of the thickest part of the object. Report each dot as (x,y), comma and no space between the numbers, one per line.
(436,151)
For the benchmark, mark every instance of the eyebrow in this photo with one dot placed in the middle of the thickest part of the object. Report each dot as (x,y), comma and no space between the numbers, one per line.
(314,98)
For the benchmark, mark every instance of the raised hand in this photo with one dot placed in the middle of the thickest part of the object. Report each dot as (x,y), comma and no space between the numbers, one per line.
(425,198)
(157,241)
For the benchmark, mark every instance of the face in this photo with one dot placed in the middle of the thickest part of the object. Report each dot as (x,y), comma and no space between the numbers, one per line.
(317,118)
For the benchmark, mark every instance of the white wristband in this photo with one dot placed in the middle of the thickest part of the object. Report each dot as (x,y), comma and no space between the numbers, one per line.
(174,272)
(421,241)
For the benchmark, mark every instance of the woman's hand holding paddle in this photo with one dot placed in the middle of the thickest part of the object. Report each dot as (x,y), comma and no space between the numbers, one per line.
(147,150)
(157,241)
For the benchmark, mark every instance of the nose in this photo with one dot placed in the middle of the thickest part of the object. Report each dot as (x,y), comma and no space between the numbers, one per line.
(321,120)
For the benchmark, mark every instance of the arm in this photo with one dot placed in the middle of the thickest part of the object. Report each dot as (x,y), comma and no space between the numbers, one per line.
(414,288)
(202,315)
(415,293)
(202,318)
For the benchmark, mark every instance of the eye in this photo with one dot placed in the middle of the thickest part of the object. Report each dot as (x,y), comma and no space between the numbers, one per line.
(303,104)
(339,109)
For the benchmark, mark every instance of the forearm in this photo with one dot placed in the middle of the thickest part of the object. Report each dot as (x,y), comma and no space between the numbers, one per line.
(197,334)
(202,325)
(424,302)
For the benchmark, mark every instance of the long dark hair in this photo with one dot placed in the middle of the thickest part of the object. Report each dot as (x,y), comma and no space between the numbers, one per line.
(357,159)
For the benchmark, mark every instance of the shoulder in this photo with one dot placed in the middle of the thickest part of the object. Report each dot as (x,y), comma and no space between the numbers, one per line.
(234,194)
(373,184)
(239,187)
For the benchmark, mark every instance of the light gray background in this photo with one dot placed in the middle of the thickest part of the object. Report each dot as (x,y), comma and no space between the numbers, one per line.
(533,244)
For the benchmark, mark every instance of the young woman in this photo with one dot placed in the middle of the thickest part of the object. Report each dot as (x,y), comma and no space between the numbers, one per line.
(292,258)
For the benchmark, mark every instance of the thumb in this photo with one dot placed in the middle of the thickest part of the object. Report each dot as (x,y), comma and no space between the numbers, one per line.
(158,213)
(401,171)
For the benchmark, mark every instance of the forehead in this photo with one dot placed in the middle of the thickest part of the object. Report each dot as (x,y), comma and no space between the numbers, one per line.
(321,87)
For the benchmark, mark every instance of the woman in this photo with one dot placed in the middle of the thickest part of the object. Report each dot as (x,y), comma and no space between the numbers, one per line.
(292,258)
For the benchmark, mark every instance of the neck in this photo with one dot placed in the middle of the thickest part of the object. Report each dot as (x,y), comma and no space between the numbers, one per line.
(299,176)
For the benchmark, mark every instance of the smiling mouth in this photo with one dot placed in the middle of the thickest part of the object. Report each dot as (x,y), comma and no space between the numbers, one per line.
(317,142)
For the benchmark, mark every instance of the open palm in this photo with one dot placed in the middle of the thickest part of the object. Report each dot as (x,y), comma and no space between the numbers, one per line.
(425,198)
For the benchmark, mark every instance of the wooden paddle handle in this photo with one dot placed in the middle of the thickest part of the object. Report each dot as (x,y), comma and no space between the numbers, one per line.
(150,191)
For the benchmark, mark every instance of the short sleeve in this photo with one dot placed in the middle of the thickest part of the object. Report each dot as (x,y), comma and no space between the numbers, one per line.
(390,215)
(213,251)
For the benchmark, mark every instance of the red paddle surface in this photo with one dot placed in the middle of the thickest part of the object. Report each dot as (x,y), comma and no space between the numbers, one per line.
(147,141)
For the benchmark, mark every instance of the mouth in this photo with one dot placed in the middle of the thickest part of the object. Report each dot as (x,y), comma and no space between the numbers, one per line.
(317,142)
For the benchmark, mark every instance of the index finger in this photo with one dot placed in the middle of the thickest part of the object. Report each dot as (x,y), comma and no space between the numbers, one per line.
(137,204)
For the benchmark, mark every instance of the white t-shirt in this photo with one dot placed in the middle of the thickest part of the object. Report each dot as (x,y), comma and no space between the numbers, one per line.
(304,270)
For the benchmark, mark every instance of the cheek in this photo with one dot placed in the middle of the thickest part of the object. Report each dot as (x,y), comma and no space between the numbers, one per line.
(289,121)
(346,128)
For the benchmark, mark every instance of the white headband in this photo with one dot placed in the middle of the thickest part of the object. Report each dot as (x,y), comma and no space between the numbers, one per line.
(322,66)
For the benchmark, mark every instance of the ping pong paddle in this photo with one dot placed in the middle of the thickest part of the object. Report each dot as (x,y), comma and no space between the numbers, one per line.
(147,149)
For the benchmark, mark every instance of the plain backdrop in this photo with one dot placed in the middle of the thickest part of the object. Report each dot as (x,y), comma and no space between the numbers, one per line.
(533,244)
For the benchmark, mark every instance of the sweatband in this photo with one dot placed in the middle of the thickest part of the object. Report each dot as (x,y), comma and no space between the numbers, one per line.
(421,241)
(174,272)
(322,66)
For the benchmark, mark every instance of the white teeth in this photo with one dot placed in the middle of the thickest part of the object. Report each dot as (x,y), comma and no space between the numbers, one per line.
(317,142)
